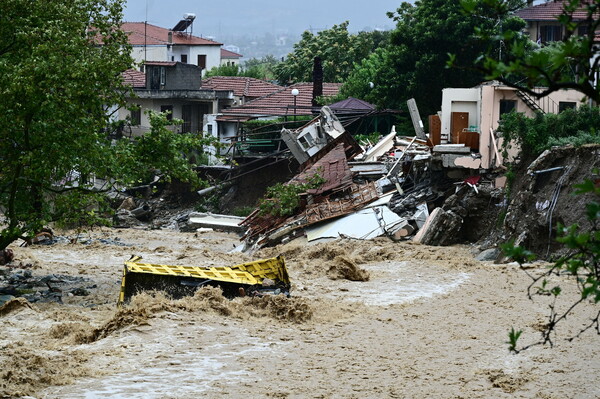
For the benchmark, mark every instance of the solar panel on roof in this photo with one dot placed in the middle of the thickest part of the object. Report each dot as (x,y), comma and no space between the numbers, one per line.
(182,25)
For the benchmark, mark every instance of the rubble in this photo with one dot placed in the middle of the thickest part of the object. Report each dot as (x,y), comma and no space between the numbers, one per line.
(390,190)
(200,220)
(49,288)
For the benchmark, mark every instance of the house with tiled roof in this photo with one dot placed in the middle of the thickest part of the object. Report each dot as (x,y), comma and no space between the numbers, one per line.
(244,88)
(281,103)
(174,87)
(154,43)
(230,58)
(542,20)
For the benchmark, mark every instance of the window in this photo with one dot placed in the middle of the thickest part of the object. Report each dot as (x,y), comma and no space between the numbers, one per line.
(507,106)
(186,115)
(136,116)
(562,105)
(169,109)
(184,58)
(583,30)
(163,76)
(202,61)
(550,33)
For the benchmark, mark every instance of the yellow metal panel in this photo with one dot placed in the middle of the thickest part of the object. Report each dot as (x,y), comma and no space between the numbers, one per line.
(246,273)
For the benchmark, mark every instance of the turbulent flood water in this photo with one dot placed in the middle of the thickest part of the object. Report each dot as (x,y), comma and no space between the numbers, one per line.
(370,319)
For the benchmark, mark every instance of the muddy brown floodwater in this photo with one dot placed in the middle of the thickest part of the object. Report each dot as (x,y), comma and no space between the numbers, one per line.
(368,319)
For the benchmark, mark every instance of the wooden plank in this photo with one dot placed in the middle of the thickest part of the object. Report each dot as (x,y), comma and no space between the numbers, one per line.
(435,129)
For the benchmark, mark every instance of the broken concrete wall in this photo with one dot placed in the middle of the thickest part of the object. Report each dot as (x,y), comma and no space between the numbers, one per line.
(441,228)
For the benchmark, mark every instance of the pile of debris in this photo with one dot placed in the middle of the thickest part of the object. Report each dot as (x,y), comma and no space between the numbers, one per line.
(21,283)
(388,188)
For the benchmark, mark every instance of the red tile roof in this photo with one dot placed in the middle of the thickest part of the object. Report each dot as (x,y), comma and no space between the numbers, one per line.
(281,102)
(229,54)
(134,78)
(333,167)
(156,35)
(241,85)
(352,104)
(550,11)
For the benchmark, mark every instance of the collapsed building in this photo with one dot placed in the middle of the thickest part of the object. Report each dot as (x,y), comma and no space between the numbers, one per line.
(437,188)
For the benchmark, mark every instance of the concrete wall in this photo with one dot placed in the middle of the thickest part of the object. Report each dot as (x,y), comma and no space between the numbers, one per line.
(459,100)
(199,109)
(162,53)
(230,61)
(151,53)
(213,56)
(483,105)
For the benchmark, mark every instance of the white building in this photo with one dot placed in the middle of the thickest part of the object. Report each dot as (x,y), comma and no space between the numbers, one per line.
(153,43)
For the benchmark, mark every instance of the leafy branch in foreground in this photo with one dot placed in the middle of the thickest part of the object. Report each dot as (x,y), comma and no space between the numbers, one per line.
(567,64)
(582,264)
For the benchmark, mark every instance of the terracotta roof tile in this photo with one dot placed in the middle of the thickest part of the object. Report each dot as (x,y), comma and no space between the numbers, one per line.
(229,54)
(134,78)
(281,102)
(352,104)
(549,12)
(241,85)
(155,35)
(333,167)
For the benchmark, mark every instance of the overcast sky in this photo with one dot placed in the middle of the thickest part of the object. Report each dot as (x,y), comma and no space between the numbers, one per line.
(215,18)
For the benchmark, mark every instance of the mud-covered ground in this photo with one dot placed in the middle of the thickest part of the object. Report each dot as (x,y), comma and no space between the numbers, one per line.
(419,322)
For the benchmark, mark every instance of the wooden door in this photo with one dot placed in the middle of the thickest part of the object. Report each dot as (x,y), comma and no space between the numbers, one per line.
(459,121)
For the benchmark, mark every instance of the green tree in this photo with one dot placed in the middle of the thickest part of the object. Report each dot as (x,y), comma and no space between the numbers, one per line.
(337,48)
(414,64)
(224,70)
(60,70)
(568,64)
(60,65)
(253,68)
(161,152)
(261,68)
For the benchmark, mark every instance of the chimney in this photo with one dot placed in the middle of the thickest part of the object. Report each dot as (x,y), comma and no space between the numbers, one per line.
(170,38)
(317,81)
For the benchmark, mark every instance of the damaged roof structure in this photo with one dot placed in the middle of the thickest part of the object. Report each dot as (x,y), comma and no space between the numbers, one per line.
(416,187)
(324,148)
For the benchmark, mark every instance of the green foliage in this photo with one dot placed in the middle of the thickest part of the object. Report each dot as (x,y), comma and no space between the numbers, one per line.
(61,65)
(243,211)
(414,64)
(160,152)
(57,83)
(94,207)
(337,48)
(380,69)
(582,263)
(534,135)
(284,199)
(261,68)
(253,68)
(365,139)
(513,338)
(224,70)
(525,64)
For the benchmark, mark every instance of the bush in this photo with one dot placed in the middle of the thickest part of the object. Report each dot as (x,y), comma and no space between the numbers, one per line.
(534,135)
